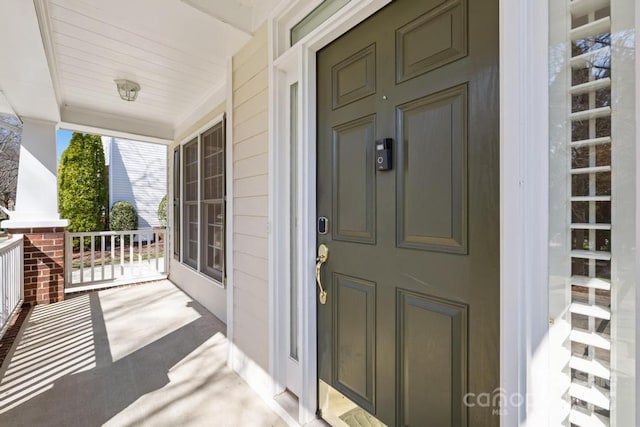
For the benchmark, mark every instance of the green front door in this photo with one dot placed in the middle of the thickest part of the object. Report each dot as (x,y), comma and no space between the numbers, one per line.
(410,328)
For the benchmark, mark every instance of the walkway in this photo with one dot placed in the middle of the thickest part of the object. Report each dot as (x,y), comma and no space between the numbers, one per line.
(146,355)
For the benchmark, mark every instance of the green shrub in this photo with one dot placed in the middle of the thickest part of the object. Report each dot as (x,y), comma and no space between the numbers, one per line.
(162,212)
(123,217)
(82,183)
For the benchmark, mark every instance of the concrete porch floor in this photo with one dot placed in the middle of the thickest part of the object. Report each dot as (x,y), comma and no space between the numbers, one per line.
(146,355)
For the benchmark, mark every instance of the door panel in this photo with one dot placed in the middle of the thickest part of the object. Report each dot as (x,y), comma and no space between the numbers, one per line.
(354,181)
(355,77)
(446,30)
(411,322)
(432,360)
(355,338)
(432,166)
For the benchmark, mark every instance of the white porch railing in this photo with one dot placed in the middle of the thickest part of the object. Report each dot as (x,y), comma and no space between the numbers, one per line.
(11,279)
(111,258)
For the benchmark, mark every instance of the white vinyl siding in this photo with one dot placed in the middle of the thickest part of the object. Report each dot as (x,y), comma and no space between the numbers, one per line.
(250,204)
(138,174)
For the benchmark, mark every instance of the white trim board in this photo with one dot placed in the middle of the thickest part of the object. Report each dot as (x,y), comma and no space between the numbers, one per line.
(113,133)
(229,206)
(524,189)
(44,21)
(258,379)
(109,124)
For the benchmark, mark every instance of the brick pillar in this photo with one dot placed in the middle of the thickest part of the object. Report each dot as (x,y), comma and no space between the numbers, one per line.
(43,264)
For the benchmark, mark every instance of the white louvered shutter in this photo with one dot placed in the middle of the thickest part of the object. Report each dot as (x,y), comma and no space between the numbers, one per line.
(591,221)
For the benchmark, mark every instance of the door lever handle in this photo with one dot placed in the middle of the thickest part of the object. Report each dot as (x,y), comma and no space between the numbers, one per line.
(323,256)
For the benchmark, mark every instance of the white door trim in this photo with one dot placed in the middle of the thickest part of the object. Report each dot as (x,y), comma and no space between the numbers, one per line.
(297,64)
(523,199)
(524,212)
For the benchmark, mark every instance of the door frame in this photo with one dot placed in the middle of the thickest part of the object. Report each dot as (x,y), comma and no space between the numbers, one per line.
(524,351)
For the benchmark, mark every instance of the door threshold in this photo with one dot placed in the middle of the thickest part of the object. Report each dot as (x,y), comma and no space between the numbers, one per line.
(340,411)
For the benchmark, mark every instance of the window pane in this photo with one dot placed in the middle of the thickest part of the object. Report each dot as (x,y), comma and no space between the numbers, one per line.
(324,11)
(191,171)
(212,182)
(176,203)
(191,234)
(293,255)
(213,238)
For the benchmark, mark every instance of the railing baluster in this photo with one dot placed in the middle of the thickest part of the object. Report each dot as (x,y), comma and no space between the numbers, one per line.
(21,270)
(92,246)
(163,251)
(113,256)
(140,248)
(6,277)
(81,259)
(68,259)
(102,256)
(4,273)
(6,294)
(11,278)
(121,254)
(8,260)
(156,237)
(131,259)
(9,294)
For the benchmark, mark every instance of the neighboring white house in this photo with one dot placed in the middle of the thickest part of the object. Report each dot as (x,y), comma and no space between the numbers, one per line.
(138,175)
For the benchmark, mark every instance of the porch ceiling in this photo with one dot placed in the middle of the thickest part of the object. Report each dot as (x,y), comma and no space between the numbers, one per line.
(175,49)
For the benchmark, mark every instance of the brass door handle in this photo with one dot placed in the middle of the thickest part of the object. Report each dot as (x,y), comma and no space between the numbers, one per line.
(323,256)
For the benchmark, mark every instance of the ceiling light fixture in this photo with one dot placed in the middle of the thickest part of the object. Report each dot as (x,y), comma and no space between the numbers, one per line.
(127,89)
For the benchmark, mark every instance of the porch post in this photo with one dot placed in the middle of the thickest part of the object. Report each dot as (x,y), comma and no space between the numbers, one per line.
(36,214)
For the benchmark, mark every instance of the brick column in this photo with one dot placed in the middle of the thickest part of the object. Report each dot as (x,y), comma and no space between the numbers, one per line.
(43,264)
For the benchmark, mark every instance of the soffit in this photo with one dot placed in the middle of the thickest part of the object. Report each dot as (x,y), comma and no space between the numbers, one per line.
(245,15)
(175,52)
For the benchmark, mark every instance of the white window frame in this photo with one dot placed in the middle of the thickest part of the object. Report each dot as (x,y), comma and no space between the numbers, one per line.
(183,218)
(197,136)
(286,17)
(172,223)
